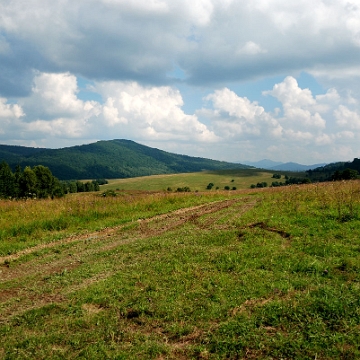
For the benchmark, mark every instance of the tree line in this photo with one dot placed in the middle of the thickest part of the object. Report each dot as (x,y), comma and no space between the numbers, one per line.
(347,174)
(38,182)
(336,171)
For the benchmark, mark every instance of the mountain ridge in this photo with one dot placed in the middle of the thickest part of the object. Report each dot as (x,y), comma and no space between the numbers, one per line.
(118,158)
(281,166)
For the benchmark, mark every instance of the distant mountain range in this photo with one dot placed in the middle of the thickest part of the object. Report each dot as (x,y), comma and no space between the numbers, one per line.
(108,159)
(280,166)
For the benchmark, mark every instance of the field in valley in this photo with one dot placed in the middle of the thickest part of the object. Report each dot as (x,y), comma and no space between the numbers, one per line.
(254,274)
(240,178)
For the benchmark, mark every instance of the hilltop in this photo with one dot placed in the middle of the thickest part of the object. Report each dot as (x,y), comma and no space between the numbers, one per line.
(109,159)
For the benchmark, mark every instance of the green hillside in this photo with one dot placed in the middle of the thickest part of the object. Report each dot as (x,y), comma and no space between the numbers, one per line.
(325,173)
(109,159)
(12,153)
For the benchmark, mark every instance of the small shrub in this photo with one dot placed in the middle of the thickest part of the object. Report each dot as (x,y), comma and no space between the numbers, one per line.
(109,193)
(101,181)
(210,186)
(276,183)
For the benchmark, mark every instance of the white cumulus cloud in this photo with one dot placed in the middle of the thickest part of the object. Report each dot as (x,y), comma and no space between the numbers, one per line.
(347,118)
(151,112)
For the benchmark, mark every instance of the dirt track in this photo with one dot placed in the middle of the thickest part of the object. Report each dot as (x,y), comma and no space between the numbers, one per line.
(173,219)
(68,254)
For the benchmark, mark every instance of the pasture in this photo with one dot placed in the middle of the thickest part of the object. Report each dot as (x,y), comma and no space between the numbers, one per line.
(241,179)
(252,274)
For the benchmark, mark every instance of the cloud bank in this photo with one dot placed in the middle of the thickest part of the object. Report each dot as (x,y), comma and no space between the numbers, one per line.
(319,127)
(141,59)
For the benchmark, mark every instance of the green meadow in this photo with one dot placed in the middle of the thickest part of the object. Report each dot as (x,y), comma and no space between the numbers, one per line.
(248,274)
(239,178)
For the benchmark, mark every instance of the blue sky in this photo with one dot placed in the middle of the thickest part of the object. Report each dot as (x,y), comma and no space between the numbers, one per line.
(225,79)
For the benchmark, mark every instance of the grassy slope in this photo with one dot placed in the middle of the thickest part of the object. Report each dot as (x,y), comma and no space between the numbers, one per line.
(266,274)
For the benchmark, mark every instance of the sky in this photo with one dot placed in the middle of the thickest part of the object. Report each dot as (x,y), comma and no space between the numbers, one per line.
(233,80)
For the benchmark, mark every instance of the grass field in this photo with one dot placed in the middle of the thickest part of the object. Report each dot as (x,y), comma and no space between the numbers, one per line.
(241,179)
(255,274)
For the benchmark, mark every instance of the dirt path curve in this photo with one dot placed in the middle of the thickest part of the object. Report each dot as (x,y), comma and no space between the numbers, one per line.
(198,210)
(19,280)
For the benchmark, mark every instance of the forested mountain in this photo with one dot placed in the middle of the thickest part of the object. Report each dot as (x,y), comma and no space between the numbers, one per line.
(326,172)
(108,159)
(11,153)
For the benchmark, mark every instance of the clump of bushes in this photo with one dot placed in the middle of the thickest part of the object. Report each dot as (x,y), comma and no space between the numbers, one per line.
(228,187)
(259,185)
(288,181)
(293,180)
(183,189)
(107,193)
(79,186)
(102,181)
(210,186)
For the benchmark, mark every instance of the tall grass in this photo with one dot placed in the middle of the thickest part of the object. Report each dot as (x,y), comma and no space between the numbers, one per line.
(340,200)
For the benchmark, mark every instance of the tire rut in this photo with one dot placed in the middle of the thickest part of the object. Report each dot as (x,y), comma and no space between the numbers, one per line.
(112,230)
(109,239)
(17,299)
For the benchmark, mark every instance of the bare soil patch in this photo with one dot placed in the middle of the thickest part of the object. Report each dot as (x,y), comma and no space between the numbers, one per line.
(264,226)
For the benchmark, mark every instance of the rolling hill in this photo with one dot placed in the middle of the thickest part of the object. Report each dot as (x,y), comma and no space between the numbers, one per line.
(109,159)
